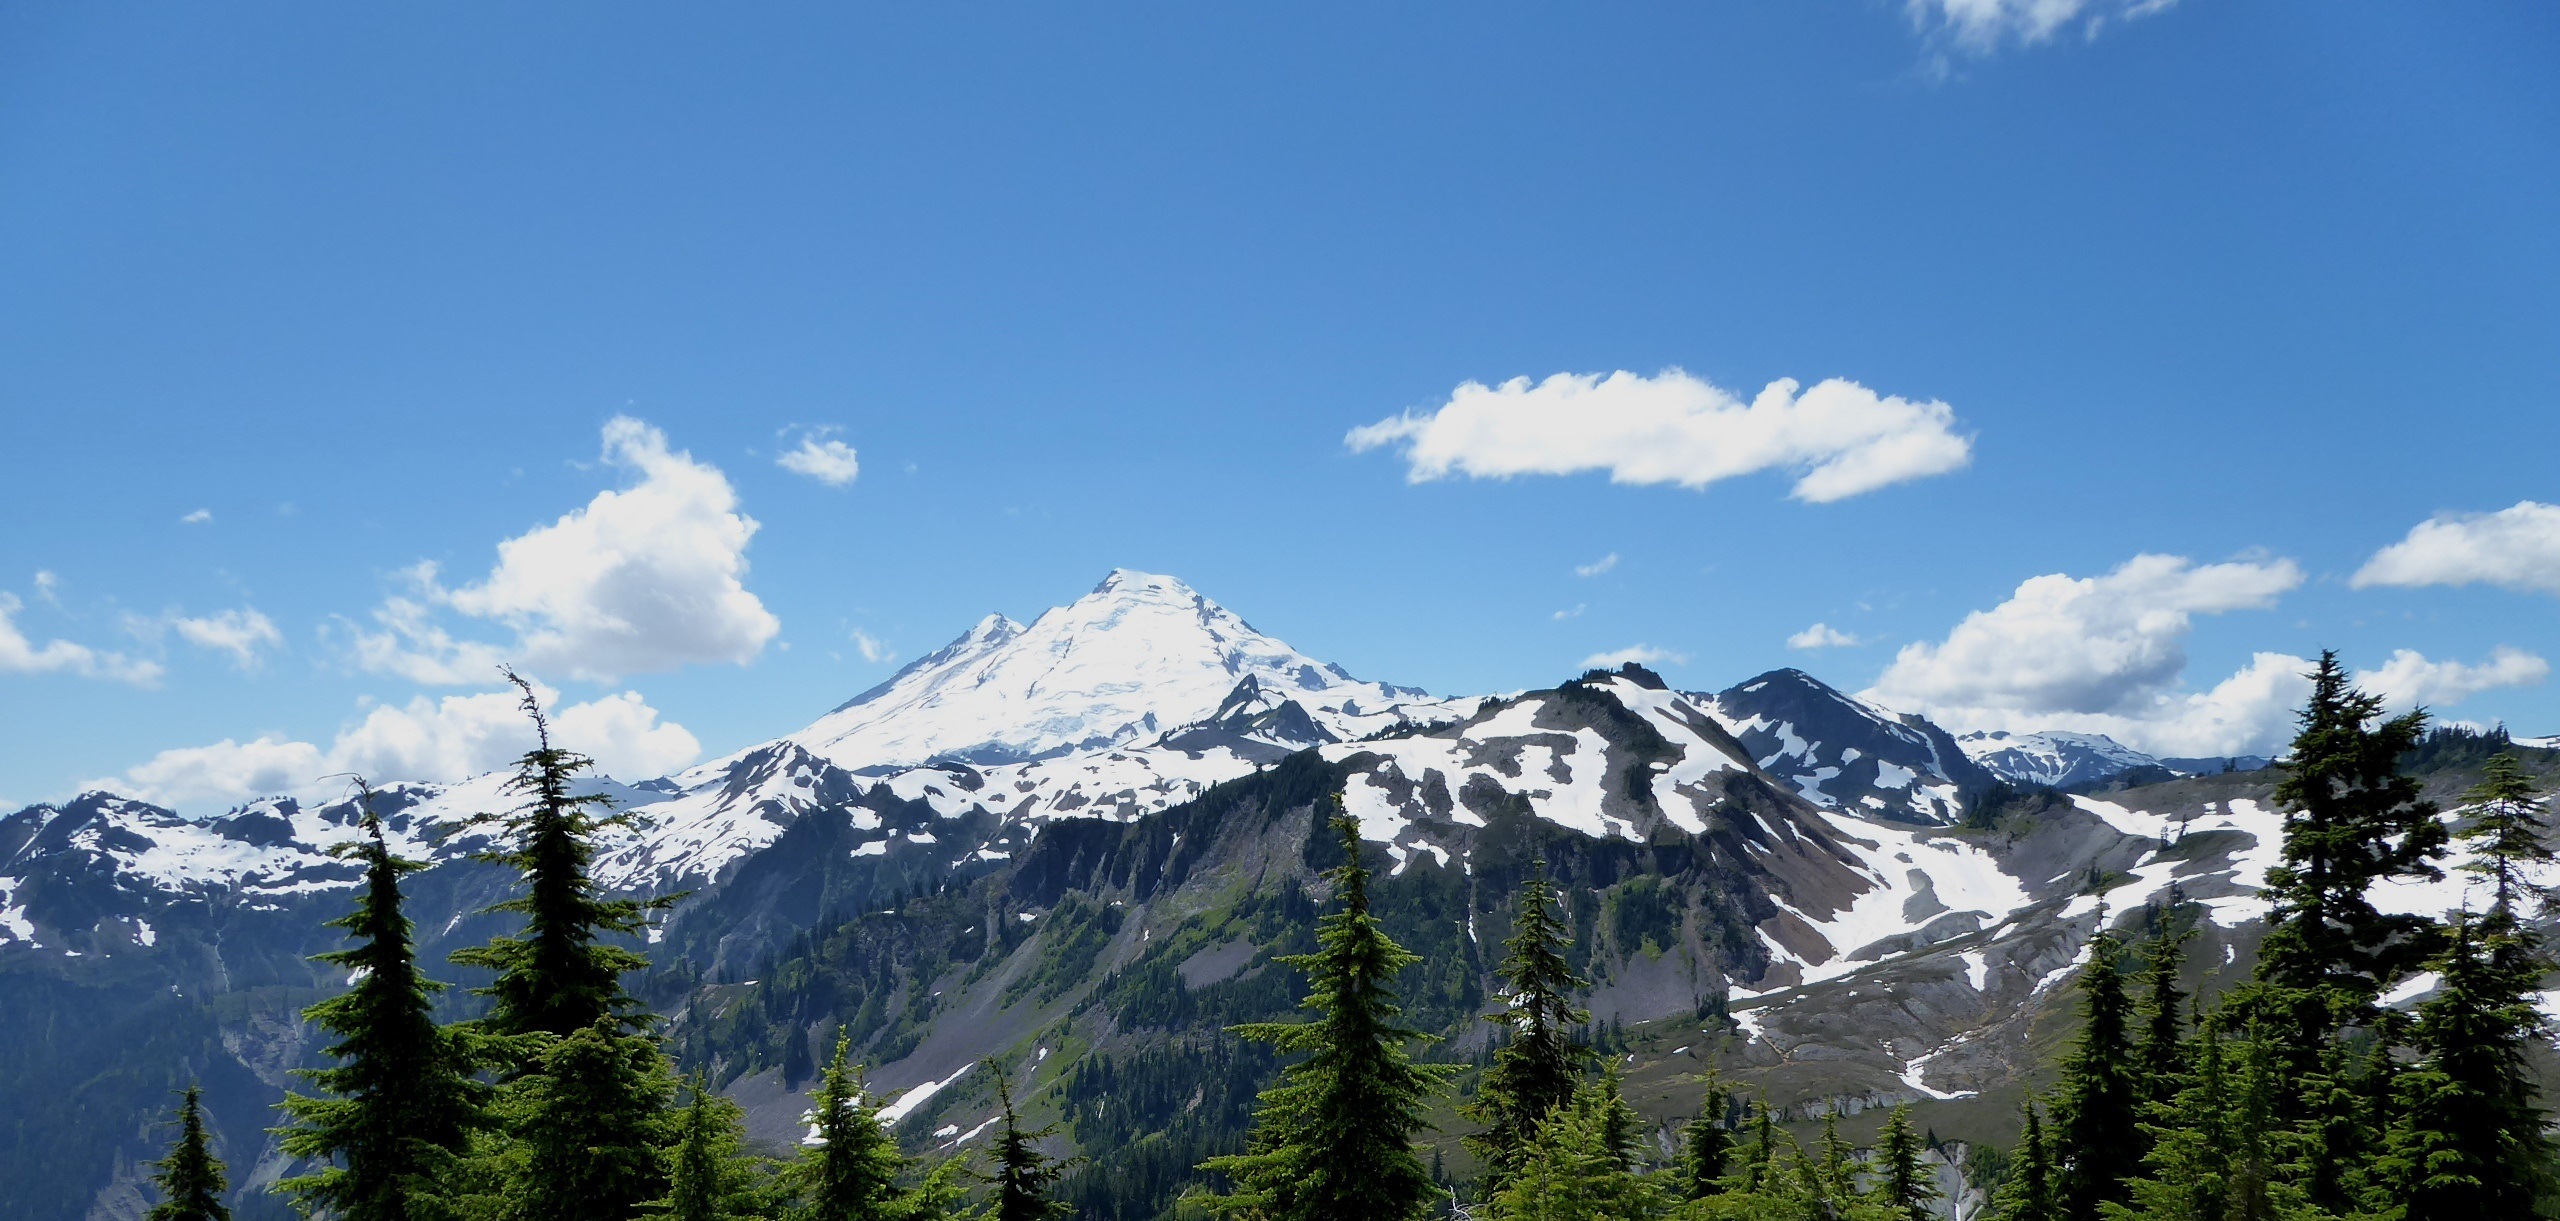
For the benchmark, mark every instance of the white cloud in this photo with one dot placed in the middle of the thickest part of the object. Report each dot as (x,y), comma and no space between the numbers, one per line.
(46,586)
(1821,636)
(241,633)
(197,518)
(441,739)
(872,650)
(822,458)
(643,578)
(1575,613)
(1641,654)
(1596,567)
(2107,655)
(2409,680)
(1841,438)
(2516,547)
(20,655)
(1984,26)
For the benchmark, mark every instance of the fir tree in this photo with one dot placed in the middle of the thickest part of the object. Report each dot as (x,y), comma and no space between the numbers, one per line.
(1706,1146)
(710,1177)
(1904,1182)
(2097,1138)
(1023,1175)
(1759,1168)
(399,1106)
(2505,837)
(1575,1169)
(2189,1163)
(1834,1179)
(851,1167)
(190,1179)
(2029,1193)
(1536,1071)
(2261,1185)
(560,977)
(2469,1142)
(2351,819)
(2160,1062)
(1334,1138)
(588,1126)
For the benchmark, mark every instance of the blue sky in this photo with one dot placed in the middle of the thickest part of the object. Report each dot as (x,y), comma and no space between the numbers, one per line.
(2254,290)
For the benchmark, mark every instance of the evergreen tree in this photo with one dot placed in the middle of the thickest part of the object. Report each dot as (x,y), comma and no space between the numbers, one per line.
(2261,1186)
(2469,1143)
(850,1169)
(2505,837)
(399,1106)
(2351,819)
(1620,1126)
(1904,1183)
(2029,1193)
(1023,1174)
(1706,1146)
(560,977)
(2098,1138)
(1536,1071)
(588,1125)
(710,1177)
(2189,1163)
(2160,1062)
(1759,1169)
(1834,1179)
(1334,1138)
(190,1179)
(1575,1171)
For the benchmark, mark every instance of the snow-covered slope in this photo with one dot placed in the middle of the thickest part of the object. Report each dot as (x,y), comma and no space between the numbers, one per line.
(2053,758)
(1140,655)
(1844,754)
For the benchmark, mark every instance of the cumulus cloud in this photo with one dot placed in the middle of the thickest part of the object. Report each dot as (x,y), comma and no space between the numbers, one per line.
(1641,654)
(2108,655)
(2409,680)
(450,738)
(197,518)
(643,578)
(21,655)
(1839,438)
(822,458)
(1821,636)
(2517,548)
(1983,26)
(1596,567)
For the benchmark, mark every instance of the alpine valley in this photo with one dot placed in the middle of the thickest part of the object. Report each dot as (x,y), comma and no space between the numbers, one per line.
(1074,848)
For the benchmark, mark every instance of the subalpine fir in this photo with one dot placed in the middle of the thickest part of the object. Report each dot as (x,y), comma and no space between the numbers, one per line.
(1023,1175)
(1576,1168)
(2097,1138)
(561,975)
(2029,1193)
(1904,1183)
(587,1125)
(710,1176)
(2469,1142)
(1706,1146)
(1537,1071)
(1334,1138)
(393,1115)
(850,1170)
(190,1179)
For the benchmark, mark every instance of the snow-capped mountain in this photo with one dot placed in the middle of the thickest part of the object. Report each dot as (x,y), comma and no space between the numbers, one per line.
(1843,753)
(2053,758)
(1140,655)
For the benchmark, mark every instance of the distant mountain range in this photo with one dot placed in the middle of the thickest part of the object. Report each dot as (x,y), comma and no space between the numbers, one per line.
(1034,835)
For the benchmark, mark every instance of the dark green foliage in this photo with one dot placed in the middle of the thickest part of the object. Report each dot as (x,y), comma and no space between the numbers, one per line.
(396,1110)
(1078,930)
(1706,1145)
(2469,1142)
(2160,1061)
(2097,1135)
(1904,1183)
(851,1173)
(1334,1138)
(1148,1119)
(1578,1166)
(560,977)
(1536,1071)
(2188,1176)
(2029,1194)
(587,1125)
(2352,818)
(710,1176)
(190,1179)
(1024,1176)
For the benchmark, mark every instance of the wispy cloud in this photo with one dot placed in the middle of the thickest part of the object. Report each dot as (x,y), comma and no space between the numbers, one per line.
(1575,613)
(1982,27)
(197,518)
(1641,654)
(869,645)
(21,655)
(1839,438)
(1596,567)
